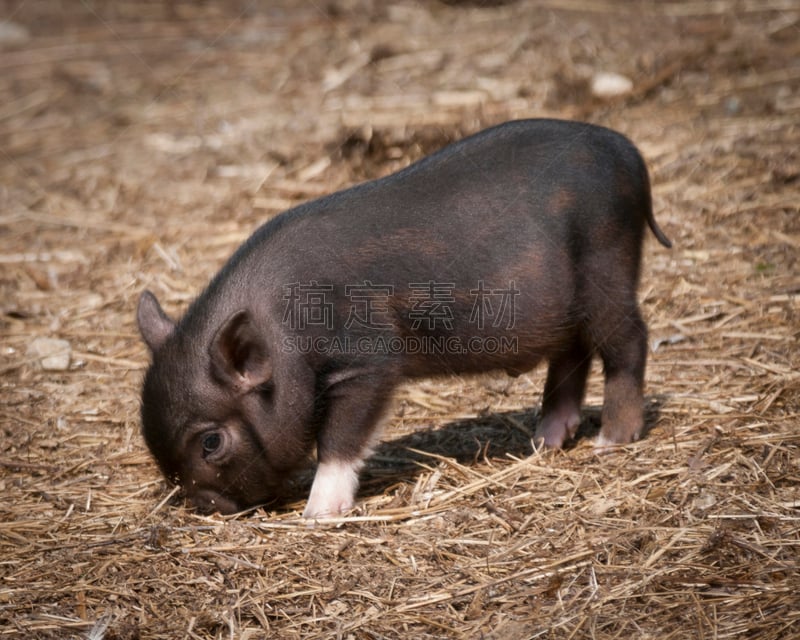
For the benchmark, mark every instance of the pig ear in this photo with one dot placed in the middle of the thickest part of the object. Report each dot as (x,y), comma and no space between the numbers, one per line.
(239,354)
(154,325)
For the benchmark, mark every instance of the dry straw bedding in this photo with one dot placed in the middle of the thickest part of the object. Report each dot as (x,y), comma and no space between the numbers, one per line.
(140,142)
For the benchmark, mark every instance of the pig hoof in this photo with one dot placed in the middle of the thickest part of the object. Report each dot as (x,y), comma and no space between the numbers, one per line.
(315,512)
(334,489)
(555,429)
(604,445)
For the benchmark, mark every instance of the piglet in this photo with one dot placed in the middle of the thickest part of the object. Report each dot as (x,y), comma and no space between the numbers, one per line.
(518,244)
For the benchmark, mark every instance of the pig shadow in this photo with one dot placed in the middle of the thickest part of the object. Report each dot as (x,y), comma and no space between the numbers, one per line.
(400,461)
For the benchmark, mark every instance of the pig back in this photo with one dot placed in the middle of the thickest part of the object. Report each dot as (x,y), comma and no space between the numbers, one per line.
(503,219)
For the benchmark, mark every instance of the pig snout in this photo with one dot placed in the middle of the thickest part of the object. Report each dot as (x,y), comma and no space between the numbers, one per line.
(208,501)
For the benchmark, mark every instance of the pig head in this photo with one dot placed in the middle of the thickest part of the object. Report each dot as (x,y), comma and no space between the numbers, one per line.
(211,413)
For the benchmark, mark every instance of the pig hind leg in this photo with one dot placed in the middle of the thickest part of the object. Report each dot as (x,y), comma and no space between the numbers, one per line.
(621,339)
(563,395)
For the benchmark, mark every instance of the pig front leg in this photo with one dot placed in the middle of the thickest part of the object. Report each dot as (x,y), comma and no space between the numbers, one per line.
(334,488)
(355,407)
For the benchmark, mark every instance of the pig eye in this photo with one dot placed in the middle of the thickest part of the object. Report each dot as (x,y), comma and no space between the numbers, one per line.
(211,443)
(265,389)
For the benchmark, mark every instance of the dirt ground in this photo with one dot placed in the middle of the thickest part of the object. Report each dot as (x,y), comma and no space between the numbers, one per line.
(141,142)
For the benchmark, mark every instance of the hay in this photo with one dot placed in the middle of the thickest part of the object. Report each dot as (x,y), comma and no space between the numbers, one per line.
(141,142)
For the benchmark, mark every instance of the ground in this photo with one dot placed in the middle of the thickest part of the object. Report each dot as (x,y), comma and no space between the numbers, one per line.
(141,142)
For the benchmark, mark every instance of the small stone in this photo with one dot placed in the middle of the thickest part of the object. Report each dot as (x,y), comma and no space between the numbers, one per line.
(607,85)
(51,354)
(705,501)
(733,106)
(12,33)
(91,301)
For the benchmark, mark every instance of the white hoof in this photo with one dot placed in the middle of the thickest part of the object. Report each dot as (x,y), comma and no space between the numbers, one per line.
(334,489)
